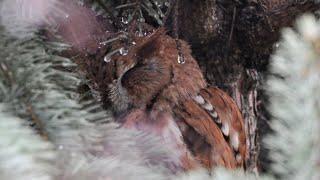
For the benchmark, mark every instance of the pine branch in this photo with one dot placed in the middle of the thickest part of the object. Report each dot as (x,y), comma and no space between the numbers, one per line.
(32,76)
(122,154)
(36,78)
(133,10)
(221,174)
(295,102)
(34,81)
(23,154)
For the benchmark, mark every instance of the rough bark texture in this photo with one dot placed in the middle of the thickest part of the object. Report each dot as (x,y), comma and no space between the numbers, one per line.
(232,41)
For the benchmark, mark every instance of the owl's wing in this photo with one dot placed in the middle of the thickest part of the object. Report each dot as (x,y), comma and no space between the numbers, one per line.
(227,115)
(212,127)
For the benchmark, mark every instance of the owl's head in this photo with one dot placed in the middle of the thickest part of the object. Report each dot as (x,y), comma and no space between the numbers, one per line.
(152,69)
(131,50)
(139,72)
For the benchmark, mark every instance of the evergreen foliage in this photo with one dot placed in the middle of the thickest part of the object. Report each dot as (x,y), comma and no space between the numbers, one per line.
(128,11)
(23,154)
(295,101)
(46,130)
(36,87)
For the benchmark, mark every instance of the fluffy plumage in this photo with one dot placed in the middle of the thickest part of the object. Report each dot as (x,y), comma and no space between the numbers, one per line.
(158,94)
(149,89)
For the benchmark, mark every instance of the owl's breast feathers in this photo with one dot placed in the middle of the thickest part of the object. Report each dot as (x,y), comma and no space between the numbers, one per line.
(173,100)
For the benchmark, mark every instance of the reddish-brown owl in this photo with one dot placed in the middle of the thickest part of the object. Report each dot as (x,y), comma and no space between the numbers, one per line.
(155,91)
(159,88)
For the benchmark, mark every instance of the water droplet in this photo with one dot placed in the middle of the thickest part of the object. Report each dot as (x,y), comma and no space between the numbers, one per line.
(158,4)
(124,51)
(124,21)
(67,16)
(133,43)
(181,59)
(140,34)
(119,37)
(142,20)
(60,147)
(4,67)
(107,58)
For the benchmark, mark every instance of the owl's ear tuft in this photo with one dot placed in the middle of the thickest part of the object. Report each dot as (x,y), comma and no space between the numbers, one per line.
(150,44)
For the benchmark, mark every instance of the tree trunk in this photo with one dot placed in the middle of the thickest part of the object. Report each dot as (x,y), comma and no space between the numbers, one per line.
(232,41)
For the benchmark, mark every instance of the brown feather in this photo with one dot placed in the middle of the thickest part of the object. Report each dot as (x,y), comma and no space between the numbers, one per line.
(211,131)
(229,113)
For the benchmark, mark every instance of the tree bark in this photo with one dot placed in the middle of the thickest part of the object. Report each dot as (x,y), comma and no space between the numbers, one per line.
(232,41)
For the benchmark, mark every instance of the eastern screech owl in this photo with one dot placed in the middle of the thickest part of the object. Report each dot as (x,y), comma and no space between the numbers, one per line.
(153,92)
